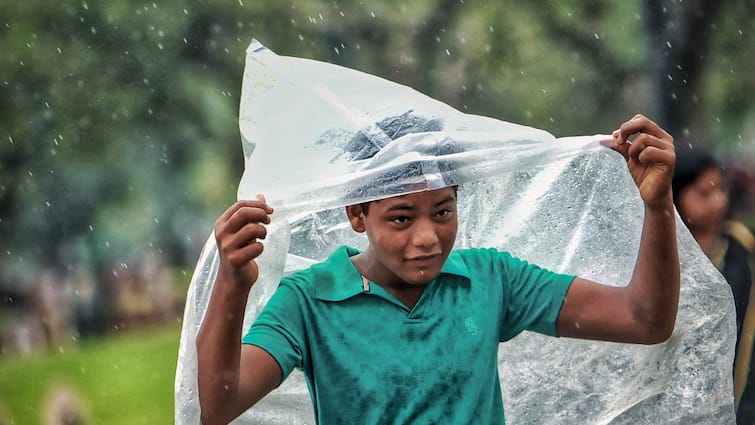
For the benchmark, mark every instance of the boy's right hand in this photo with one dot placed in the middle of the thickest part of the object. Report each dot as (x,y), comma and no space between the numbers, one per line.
(238,232)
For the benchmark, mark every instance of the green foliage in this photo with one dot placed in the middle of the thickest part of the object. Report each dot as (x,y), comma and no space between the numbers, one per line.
(124,380)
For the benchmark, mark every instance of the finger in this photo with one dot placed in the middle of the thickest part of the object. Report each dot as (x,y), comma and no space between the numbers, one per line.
(613,144)
(244,216)
(654,155)
(639,124)
(257,203)
(248,234)
(242,256)
(644,141)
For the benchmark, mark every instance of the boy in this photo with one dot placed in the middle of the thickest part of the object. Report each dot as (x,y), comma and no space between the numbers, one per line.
(408,330)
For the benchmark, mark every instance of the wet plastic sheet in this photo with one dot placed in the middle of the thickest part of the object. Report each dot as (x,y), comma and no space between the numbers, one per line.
(317,137)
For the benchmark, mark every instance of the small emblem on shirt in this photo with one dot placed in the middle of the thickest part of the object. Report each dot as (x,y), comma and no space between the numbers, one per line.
(471,326)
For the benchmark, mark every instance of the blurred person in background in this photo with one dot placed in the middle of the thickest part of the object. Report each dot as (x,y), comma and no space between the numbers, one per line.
(702,199)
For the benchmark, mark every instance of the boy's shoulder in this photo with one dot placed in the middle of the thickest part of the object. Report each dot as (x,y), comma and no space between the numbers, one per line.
(471,255)
(332,279)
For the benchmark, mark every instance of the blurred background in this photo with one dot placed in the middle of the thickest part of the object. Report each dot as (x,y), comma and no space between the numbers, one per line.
(119,145)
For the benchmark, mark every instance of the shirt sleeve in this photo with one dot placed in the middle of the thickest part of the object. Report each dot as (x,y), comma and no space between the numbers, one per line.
(532,296)
(279,328)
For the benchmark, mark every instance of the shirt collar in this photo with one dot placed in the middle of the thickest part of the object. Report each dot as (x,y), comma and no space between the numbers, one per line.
(337,279)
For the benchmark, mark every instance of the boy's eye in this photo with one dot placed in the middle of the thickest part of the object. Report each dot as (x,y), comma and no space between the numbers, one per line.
(400,219)
(443,213)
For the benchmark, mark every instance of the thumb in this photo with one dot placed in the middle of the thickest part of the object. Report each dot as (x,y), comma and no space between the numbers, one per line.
(260,197)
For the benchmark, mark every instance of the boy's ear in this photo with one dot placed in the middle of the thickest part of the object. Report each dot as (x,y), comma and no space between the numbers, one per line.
(356,217)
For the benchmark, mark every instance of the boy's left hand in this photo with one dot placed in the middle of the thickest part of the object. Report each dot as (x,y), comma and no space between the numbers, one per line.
(650,157)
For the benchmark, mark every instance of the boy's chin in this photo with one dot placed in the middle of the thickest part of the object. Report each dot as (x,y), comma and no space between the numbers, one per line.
(421,277)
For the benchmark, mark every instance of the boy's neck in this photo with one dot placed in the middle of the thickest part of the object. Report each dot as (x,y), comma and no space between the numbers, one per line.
(404,292)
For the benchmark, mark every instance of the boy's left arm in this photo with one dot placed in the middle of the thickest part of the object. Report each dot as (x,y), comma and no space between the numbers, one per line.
(645,310)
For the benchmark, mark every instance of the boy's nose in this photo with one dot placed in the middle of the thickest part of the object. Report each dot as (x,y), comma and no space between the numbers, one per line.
(424,235)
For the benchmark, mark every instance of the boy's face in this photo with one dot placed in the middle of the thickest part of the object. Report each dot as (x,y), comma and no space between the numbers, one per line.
(410,236)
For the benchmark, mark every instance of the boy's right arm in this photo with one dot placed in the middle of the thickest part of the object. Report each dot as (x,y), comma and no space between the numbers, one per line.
(233,377)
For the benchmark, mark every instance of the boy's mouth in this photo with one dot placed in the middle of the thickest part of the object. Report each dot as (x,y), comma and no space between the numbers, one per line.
(423,258)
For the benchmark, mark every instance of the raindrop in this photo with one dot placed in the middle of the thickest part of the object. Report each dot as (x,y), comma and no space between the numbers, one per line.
(10,139)
(372,14)
(597,37)
(93,30)
(60,51)
(668,43)
(186,12)
(91,228)
(85,5)
(241,3)
(338,52)
(490,28)
(160,46)
(448,53)
(301,37)
(157,220)
(670,77)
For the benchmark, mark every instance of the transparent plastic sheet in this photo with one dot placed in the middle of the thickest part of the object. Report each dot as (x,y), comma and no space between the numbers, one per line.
(317,137)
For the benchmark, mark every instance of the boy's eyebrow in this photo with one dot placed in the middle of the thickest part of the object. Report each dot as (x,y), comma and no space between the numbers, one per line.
(400,207)
(449,198)
(409,206)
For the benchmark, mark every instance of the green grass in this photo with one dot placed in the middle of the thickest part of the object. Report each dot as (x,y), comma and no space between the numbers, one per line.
(125,379)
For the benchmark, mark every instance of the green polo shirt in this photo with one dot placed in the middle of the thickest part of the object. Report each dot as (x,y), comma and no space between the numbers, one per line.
(369,359)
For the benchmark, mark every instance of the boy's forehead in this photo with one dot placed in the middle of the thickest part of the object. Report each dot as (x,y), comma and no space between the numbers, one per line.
(434,194)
